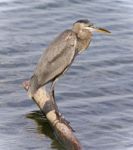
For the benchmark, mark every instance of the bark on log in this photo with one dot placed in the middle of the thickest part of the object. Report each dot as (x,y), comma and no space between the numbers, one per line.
(63,131)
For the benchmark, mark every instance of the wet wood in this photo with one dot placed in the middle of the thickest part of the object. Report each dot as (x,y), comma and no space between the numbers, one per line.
(63,131)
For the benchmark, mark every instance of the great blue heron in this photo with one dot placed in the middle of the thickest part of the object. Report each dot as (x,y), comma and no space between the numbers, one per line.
(60,54)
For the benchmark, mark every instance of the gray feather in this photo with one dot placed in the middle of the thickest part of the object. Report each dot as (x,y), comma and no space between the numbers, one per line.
(56,59)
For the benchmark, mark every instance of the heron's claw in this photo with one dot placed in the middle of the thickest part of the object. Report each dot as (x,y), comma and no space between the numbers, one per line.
(63,120)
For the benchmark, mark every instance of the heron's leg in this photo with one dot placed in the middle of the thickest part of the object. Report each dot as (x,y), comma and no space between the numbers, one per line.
(62,119)
(53,94)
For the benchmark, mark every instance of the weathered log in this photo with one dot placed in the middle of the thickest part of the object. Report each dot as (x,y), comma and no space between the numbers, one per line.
(62,129)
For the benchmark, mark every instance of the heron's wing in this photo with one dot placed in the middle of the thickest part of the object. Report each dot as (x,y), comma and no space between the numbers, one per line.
(57,57)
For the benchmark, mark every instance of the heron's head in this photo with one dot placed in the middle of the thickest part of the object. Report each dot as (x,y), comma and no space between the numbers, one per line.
(84,27)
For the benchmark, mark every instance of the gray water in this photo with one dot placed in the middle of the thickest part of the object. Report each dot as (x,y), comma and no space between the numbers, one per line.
(95,95)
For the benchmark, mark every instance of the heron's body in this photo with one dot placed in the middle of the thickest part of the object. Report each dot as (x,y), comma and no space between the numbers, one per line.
(60,54)
(57,58)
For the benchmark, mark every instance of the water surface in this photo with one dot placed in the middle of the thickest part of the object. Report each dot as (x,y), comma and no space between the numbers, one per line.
(95,95)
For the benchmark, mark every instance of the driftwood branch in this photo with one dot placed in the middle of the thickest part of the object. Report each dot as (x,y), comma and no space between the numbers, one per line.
(62,129)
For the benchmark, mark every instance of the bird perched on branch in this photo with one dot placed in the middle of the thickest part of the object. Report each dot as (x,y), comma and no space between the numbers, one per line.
(60,54)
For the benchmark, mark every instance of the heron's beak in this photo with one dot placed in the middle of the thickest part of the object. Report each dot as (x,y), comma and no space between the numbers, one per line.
(95,29)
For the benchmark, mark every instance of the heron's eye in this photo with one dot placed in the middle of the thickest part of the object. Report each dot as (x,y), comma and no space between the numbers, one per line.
(90,25)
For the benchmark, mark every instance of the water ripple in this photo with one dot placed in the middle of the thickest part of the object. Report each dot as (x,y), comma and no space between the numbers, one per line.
(95,94)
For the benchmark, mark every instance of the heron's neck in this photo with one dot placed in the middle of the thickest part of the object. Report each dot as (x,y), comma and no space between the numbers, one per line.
(83,44)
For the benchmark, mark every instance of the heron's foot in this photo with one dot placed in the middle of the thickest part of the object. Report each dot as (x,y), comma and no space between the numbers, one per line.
(63,120)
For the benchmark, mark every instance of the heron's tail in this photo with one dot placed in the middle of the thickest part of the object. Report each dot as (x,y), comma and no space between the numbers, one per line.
(33,86)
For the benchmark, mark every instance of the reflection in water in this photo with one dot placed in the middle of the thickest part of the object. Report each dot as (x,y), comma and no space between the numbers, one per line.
(43,127)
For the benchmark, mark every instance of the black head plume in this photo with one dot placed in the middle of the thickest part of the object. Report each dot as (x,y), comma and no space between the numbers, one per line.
(85,21)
